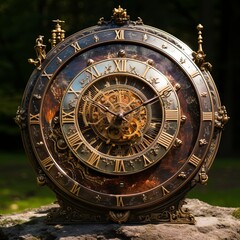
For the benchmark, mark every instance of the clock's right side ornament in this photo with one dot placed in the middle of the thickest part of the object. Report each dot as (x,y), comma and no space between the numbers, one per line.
(221,116)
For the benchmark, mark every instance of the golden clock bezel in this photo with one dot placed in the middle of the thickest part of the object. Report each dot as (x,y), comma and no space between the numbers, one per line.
(119,164)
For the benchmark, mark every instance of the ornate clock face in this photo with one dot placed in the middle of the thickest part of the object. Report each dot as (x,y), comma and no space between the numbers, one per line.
(121,118)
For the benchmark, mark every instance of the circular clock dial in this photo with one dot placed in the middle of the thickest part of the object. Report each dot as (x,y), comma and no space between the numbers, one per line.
(120,118)
(120,121)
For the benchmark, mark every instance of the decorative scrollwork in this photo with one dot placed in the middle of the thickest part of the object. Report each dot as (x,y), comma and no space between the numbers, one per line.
(119,217)
(181,216)
(21,117)
(221,117)
(173,214)
(203,177)
(40,52)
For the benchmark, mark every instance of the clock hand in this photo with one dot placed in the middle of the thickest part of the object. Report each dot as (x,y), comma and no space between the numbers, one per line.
(149,101)
(103,107)
(106,109)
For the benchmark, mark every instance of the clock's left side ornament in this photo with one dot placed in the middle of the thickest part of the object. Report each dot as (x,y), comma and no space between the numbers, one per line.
(22,118)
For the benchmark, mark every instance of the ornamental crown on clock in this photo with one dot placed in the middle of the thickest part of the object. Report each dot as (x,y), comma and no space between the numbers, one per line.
(120,120)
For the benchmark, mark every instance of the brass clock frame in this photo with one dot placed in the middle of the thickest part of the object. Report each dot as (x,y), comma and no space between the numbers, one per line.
(120,120)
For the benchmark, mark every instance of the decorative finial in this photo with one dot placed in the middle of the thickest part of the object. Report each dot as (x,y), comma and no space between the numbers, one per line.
(120,15)
(199,56)
(58,34)
(40,52)
(200,38)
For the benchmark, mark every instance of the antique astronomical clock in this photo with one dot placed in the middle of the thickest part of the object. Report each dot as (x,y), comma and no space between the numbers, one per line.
(121,120)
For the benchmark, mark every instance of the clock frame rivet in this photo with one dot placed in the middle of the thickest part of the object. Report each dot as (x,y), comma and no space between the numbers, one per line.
(121,53)
(90,62)
(177,86)
(183,119)
(150,62)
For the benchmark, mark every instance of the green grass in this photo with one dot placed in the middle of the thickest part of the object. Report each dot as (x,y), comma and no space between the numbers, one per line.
(223,186)
(19,189)
(223,197)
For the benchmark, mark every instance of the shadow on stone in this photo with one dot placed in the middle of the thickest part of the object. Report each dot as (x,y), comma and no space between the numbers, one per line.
(212,222)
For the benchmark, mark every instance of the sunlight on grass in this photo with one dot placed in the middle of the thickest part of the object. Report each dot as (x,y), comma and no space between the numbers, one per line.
(31,202)
(18,186)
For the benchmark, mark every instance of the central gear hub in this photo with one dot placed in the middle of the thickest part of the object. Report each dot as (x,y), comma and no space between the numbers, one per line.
(115,127)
